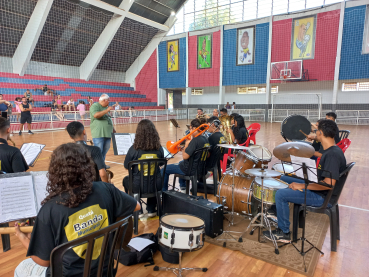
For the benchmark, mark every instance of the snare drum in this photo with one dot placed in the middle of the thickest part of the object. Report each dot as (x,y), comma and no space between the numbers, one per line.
(181,232)
(254,157)
(284,169)
(271,186)
(242,193)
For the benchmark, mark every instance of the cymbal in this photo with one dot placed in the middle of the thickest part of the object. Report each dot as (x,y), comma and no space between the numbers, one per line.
(258,172)
(298,149)
(231,146)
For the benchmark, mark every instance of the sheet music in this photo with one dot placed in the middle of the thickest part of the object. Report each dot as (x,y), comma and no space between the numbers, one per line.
(40,182)
(311,170)
(17,199)
(133,136)
(31,151)
(123,142)
(167,154)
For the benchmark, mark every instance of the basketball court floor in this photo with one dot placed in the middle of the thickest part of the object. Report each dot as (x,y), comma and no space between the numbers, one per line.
(352,250)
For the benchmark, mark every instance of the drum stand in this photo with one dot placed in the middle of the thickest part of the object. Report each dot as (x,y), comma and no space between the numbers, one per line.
(264,221)
(178,271)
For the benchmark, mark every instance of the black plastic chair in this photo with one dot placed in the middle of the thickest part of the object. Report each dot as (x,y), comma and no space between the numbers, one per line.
(199,170)
(146,163)
(213,165)
(5,239)
(332,212)
(344,134)
(113,239)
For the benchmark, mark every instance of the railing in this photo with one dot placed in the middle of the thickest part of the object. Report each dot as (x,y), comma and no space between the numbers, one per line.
(280,114)
(353,117)
(248,114)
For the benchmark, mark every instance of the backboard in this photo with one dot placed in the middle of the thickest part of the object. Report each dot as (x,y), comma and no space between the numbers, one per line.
(288,70)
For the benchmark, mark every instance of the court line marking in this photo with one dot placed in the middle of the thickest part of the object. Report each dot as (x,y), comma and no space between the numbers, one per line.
(353,208)
(105,161)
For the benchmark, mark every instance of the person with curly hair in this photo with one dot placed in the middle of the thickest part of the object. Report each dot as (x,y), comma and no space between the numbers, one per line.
(146,146)
(75,207)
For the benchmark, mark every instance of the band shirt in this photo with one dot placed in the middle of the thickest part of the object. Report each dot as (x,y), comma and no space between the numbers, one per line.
(195,144)
(11,159)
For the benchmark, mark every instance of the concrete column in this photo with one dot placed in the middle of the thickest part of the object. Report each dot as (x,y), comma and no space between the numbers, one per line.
(27,44)
(221,88)
(267,81)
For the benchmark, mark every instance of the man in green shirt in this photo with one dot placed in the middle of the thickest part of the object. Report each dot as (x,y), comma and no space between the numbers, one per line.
(101,124)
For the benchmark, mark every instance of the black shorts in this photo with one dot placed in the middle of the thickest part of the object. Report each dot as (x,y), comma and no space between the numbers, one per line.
(27,118)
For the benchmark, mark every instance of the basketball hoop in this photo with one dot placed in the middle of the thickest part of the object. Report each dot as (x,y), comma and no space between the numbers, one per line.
(283,79)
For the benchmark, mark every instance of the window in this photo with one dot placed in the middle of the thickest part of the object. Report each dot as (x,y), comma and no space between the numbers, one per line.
(255,90)
(197,92)
(183,92)
(360,86)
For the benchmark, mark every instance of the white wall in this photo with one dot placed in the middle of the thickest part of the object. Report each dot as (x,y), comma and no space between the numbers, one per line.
(352,97)
(231,96)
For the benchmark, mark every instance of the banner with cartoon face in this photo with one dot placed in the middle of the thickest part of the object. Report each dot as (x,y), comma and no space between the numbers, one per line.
(204,51)
(173,55)
(303,38)
(245,46)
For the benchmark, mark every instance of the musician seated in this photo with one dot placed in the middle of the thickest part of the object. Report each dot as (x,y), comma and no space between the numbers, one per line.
(216,113)
(200,113)
(146,146)
(191,145)
(312,137)
(75,206)
(77,132)
(238,132)
(223,112)
(332,162)
(11,158)
(216,137)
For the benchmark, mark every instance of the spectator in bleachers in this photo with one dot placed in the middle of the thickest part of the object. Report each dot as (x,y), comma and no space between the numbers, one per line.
(82,109)
(228,106)
(17,102)
(233,106)
(132,111)
(26,116)
(90,100)
(46,90)
(29,97)
(59,103)
(117,106)
(3,105)
(70,104)
(101,124)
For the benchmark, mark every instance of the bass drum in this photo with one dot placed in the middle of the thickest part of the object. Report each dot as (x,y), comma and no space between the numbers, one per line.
(293,125)
(243,200)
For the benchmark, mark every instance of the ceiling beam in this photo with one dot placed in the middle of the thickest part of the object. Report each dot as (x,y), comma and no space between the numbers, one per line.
(126,13)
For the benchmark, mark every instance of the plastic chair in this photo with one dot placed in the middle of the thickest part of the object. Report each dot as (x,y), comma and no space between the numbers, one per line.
(199,170)
(255,126)
(146,164)
(113,235)
(332,211)
(213,165)
(344,144)
(344,134)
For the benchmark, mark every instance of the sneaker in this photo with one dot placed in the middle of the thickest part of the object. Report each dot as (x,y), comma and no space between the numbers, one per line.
(107,167)
(151,214)
(20,133)
(278,235)
(183,190)
(141,214)
(30,132)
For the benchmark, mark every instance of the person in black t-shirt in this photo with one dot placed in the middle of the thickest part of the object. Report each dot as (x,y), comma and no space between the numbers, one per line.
(75,207)
(11,159)
(77,132)
(26,116)
(146,146)
(332,163)
(316,144)
(239,132)
(215,138)
(197,142)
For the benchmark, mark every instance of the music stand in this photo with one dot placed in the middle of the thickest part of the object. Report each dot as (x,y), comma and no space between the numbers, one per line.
(175,124)
(302,238)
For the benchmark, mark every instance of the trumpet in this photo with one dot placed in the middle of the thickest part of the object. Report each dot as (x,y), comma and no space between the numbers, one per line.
(174,147)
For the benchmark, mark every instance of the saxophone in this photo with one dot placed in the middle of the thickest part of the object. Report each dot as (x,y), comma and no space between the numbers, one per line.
(226,124)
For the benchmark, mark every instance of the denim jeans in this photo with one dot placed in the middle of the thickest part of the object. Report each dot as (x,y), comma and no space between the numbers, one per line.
(172,169)
(284,196)
(30,269)
(103,144)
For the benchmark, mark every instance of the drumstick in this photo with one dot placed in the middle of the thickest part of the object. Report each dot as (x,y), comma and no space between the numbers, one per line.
(11,230)
(303,133)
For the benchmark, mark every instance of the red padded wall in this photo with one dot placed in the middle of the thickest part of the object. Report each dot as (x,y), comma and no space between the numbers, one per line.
(323,64)
(203,77)
(146,80)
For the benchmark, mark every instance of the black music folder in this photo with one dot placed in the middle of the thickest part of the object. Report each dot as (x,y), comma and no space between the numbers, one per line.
(122,142)
(31,151)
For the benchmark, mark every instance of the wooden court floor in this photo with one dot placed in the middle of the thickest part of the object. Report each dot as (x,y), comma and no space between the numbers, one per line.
(352,251)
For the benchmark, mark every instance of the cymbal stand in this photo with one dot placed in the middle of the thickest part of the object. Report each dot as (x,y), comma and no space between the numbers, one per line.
(231,221)
(302,238)
(264,221)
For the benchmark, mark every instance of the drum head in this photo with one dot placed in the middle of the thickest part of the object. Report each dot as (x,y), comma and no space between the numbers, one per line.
(291,126)
(272,183)
(279,167)
(182,221)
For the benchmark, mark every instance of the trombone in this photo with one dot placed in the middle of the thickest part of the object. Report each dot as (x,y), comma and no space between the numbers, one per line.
(174,147)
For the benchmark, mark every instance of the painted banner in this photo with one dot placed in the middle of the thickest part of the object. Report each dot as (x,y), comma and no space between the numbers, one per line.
(245,46)
(303,38)
(173,55)
(204,51)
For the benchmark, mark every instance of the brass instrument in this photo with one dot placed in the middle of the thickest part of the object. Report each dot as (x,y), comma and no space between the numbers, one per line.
(226,124)
(11,230)
(110,174)
(174,147)
(11,141)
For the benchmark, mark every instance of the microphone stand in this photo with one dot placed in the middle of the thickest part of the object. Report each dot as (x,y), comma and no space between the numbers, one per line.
(302,238)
